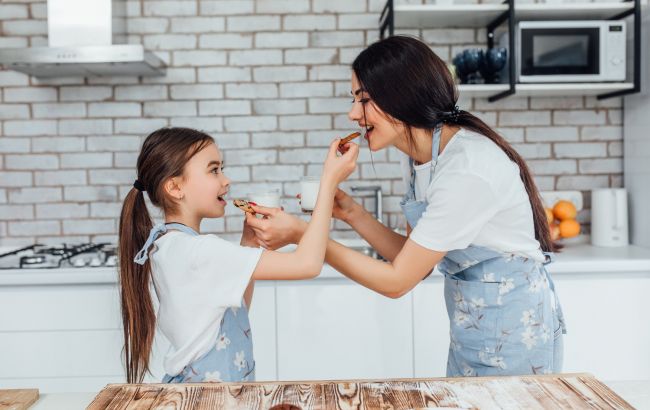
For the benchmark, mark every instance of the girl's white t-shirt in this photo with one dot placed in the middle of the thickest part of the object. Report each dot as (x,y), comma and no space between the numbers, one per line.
(476,197)
(196,278)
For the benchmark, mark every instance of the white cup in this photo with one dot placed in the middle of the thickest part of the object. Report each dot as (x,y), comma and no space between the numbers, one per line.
(309,193)
(269,199)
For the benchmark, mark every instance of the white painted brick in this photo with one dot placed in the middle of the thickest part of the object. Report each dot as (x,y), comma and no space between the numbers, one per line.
(448,36)
(224,74)
(380,171)
(24,27)
(602,133)
(580,150)
(60,211)
(3,196)
(279,74)
(531,151)
(579,117)
(206,124)
(615,117)
(170,41)
(14,145)
(11,78)
(320,138)
(281,40)
(277,173)
(133,126)
(338,6)
(582,182)
(56,178)
(253,23)
(199,58)
(226,41)
(105,210)
(147,25)
(13,11)
(112,176)
(310,56)
(89,226)
(511,134)
(169,108)
(87,160)
(173,76)
(198,24)
(11,42)
(34,195)
(140,92)
(615,149)
(196,92)
(309,22)
(15,179)
(490,118)
(524,118)
(310,89)
(14,212)
(303,155)
(58,144)
(305,122)
(601,166)
(85,93)
(556,103)
(59,110)
(510,103)
(282,6)
(169,8)
(593,102)
(547,134)
(13,111)
(126,159)
(90,193)
(232,140)
(278,139)
(249,157)
(34,94)
(336,38)
(331,72)
(255,57)
(343,123)
(553,166)
(225,107)
(251,90)
(35,161)
(545,183)
(358,21)
(34,228)
(329,105)
(216,225)
(265,107)
(226,7)
(257,123)
(238,174)
(84,127)
(114,109)
(117,143)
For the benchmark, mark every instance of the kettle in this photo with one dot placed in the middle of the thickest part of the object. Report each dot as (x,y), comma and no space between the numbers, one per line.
(609,224)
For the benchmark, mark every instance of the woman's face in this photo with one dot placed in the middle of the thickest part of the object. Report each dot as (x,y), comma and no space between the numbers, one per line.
(383,130)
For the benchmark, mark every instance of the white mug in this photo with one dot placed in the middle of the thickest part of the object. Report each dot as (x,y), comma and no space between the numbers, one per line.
(609,224)
(269,199)
(309,187)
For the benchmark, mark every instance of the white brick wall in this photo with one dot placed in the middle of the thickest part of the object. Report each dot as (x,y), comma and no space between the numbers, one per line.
(270,80)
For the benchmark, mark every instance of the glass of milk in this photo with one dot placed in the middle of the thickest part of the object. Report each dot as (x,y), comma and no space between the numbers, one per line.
(308,193)
(269,199)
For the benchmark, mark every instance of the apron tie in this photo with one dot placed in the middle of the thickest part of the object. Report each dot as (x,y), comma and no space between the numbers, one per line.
(142,256)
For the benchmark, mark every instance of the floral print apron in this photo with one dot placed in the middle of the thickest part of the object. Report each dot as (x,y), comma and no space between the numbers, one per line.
(504,316)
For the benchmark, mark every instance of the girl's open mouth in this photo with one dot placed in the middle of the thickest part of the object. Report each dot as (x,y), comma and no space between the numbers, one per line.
(222,201)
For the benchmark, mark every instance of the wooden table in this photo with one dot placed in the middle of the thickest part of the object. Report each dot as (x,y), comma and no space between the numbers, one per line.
(565,391)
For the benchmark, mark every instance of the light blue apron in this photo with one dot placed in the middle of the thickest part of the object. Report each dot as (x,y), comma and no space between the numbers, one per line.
(231,357)
(504,316)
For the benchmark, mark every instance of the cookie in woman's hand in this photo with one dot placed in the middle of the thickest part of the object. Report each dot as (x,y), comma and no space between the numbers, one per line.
(244,205)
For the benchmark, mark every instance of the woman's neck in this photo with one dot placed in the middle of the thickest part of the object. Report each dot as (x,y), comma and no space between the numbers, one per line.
(421,150)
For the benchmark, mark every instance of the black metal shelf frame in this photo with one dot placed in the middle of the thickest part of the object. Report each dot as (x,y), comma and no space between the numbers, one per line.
(387,23)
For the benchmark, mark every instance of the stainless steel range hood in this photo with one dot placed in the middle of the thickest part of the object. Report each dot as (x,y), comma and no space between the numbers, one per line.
(86,38)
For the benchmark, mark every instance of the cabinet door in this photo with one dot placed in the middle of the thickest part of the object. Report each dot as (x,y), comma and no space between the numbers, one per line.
(430,329)
(262,318)
(608,328)
(336,329)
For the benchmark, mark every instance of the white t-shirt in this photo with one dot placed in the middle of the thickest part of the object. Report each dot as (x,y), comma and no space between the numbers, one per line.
(196,279)
(476,197)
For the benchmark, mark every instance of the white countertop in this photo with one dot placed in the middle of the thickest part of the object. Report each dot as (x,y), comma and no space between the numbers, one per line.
(581,258)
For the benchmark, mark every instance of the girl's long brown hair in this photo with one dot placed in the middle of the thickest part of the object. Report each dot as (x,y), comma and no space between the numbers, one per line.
(164,155)
(409,82)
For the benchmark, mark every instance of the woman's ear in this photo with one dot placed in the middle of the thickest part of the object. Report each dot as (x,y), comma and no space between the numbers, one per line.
(173,188)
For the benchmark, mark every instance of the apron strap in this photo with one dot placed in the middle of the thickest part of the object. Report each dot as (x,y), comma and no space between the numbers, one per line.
(143,254)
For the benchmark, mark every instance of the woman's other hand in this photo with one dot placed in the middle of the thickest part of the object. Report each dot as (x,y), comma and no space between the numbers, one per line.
(277,228)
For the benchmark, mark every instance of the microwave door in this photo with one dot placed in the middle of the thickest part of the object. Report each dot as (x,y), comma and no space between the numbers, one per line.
(560,54)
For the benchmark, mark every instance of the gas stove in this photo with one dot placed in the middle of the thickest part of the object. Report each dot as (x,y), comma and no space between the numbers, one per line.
(85,255)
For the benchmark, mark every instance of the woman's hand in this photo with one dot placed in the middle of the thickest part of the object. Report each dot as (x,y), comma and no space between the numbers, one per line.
(276,229)
(338,168)
(248,237)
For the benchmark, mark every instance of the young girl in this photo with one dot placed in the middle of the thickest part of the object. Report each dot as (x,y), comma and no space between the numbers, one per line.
(201,281)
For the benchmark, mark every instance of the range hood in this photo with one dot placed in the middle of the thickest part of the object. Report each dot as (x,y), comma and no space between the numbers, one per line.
(86,38)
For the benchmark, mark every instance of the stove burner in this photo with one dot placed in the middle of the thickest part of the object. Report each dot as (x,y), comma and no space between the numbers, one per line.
(32,260)
(41,256)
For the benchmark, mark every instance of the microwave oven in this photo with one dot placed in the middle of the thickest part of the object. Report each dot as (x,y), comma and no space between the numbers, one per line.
(571,51)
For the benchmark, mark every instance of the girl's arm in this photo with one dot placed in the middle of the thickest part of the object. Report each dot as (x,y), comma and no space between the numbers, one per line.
(307,260)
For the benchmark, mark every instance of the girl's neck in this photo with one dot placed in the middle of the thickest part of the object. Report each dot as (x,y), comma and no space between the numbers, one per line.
(189,221)
(421,151)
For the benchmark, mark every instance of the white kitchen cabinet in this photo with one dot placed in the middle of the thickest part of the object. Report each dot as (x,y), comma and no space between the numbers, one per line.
(336,329)
(262,318)
(430,328)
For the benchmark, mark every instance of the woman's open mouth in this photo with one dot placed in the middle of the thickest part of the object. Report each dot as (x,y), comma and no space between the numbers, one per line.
(368,132)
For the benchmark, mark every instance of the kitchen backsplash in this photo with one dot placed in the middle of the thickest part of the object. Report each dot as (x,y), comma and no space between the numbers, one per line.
(270,81)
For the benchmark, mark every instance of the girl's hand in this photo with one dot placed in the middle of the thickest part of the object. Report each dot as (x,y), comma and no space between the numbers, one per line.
(344,206)
(277,228)
(338,168)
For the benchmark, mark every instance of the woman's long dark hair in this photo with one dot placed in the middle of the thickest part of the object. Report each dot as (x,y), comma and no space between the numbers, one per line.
(164,155)
(409,82)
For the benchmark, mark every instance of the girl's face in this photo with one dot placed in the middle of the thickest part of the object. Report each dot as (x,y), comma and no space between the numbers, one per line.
(204,184)
(383,131)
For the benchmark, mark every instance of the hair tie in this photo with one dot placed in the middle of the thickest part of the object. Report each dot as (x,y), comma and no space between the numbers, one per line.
(451,116)
(138,185)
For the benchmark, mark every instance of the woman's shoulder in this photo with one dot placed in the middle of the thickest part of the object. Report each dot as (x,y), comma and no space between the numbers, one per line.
(474,152)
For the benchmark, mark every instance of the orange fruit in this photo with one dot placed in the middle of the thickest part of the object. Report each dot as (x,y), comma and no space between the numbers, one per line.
(569,228)
(555,231)
(564,210)
(549,215)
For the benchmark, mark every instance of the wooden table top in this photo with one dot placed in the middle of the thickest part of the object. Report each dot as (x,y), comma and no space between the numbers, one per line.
(566,391)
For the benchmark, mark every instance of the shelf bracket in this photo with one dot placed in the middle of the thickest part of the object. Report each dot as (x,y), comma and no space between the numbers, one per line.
(387,20)
(510,16)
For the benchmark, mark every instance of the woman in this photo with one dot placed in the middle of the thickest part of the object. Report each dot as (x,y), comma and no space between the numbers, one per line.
(472,209)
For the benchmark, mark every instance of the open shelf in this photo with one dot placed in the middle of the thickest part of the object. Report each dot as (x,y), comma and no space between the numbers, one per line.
(571,11)
(543,90)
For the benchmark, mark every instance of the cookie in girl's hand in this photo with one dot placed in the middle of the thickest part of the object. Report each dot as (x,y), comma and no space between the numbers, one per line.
(243,205)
